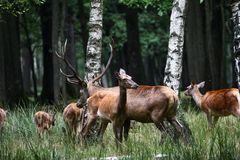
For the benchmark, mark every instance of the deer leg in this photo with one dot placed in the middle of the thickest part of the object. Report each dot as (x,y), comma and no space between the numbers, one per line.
(210,121)
(116,131)
(103,128)
(177,126)
(126,129)
(90,121)
(215,119)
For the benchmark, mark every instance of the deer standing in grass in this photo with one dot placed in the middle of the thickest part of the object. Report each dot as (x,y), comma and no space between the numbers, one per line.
(217,103)
(146,104)
(44,121)
(3,115)
(72,115)
(110,106)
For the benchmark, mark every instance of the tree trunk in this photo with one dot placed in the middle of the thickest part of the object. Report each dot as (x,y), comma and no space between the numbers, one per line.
(31,59)
(173,67)
(26,68)
(94,50)
(71,54)
(56,27)
(195,49)
(11,85)
(236,38)
(134,58)
(47,94)
(94,46)
(83,22)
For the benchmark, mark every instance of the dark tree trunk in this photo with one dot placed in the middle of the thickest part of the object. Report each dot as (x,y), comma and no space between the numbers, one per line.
(31,59)
(134,58)
(194,44)
(83,17)
(47,94)
(26,68)
(11,85)
(70,55)
(213,50)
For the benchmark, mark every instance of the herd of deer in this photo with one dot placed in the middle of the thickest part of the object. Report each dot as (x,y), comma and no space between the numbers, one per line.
(130,101)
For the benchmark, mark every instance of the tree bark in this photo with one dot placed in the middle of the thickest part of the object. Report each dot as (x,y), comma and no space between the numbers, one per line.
(83,22)
(94,46)
(195,49)
(134,59)
(71,53)
(173,67)
(236,38)
(11,85)
(47,94)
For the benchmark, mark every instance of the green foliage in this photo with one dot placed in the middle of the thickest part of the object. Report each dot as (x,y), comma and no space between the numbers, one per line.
(18,6)
(163,6)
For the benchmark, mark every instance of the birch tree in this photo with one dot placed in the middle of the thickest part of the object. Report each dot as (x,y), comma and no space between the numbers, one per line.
(173,67)
(94,51)
(94,45)
(236,38)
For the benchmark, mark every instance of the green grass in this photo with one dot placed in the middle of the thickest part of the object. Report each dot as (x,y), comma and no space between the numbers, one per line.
(19,140)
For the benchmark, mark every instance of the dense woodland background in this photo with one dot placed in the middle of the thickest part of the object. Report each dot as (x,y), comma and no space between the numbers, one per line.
(30,32)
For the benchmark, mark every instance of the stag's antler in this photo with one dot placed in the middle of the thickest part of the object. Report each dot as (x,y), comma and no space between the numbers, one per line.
(108,63)
(73,78)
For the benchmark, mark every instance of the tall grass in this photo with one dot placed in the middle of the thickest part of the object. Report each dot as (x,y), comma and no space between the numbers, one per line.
(19,140)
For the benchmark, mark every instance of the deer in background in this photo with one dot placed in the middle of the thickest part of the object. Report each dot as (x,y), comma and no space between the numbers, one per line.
(110,106)
(146,104)
(3,114)
(72,115)
(44,121)
(217,103)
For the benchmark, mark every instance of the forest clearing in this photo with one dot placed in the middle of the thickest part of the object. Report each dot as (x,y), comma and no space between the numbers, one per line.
(120,79)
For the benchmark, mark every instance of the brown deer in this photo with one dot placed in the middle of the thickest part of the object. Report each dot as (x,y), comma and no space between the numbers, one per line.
(44,121)
(217,103)
(146,104)
(110,106)
(3,114)
(72,115)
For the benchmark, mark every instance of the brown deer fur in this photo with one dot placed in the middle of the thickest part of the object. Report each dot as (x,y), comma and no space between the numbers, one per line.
(217,103)
(2,118)
(151,103)
(44,121)
(72,116)
(110,106)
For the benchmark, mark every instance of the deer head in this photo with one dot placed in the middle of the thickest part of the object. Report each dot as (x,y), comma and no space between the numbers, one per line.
(193,88)
(125,80)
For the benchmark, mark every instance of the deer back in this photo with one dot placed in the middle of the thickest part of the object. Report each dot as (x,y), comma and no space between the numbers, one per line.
(221,102)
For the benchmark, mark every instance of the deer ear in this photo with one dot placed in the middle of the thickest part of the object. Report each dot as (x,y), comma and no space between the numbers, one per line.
(201,85)
(122,71)
(117,75)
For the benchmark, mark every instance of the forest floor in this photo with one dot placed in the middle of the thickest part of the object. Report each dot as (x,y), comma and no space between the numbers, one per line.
(19,140)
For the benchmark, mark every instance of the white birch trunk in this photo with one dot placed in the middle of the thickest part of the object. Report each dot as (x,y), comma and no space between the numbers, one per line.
(236,38)
(93,55)
(173,69)
(94,46)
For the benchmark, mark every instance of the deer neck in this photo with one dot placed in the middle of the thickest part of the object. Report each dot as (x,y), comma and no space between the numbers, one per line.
(197,96)
(92,88)
(122,99)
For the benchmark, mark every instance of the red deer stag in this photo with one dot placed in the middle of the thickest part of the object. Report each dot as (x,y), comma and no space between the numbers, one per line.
(44,121)
(72,115)
(146,104)
(217,103)
(3,114)
(110,106)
